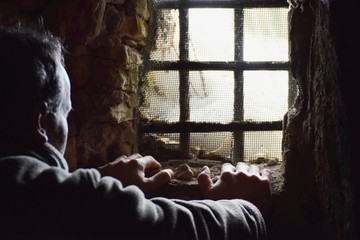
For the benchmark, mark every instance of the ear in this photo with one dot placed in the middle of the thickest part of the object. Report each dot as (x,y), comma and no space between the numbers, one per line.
(39,120)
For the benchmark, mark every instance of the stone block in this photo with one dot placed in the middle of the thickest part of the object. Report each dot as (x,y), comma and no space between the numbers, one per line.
(122,55)
(142,9)
(82,19)
(136,27)
(99,143)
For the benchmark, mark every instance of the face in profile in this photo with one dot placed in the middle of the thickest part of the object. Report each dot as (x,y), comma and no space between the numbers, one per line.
(57,125)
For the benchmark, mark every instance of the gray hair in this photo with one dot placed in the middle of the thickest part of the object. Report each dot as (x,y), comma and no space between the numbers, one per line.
(29,64)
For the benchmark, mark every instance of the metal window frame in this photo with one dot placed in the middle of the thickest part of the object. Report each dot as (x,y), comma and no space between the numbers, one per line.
(238,126)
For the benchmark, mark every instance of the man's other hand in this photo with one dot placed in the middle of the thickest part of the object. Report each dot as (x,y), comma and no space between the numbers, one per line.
(144,172)
(243,182)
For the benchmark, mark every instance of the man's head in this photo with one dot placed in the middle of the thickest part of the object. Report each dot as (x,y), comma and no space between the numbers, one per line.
(34,87)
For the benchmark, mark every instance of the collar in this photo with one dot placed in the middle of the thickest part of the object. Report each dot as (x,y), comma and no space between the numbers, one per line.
(46,153)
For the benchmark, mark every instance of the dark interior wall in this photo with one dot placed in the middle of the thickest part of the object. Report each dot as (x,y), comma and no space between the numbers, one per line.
(104,39)
(320,195)
(344,16)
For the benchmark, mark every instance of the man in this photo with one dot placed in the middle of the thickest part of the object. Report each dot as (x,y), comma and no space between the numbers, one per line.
(40,199)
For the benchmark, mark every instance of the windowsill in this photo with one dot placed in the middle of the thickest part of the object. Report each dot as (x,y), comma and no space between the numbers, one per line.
(186,186)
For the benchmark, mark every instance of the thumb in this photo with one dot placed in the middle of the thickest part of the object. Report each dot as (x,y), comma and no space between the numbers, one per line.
(204,180)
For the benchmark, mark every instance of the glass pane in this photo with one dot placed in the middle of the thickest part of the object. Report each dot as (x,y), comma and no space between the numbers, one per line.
(211,96)
(161,96)
(266,34)
(211,34)
(171,140)
(166,47)
(265,144)
(265,95)
(214,146)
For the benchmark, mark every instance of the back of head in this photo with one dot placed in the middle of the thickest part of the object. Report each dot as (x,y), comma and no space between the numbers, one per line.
(28,74)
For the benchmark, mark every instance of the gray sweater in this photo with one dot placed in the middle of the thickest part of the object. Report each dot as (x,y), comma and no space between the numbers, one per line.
(41,199)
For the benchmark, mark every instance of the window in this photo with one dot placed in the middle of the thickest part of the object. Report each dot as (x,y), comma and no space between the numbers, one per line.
(216,78)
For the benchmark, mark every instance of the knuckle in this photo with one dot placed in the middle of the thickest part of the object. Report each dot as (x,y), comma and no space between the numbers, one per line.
(120,163)
(241,175)
(240,164)
(134,163)
(226,176)
(150,157)
(248,178)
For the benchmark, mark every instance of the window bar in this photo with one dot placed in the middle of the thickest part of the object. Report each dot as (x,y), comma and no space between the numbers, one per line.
(177,127)
(180,4)
(238,149)
(184,78)
(226,66)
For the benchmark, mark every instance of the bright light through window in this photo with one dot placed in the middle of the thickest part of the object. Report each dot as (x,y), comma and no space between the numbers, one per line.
(212,95)
(265,38)
(211,32)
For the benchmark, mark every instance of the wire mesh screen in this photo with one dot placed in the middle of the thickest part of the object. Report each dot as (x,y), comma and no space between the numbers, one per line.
(211,39)
(211,96)
(165,39)
(211,35)
(161,96)
(265,95)
(265,34)
(262,145)
(219,145)
(213,145)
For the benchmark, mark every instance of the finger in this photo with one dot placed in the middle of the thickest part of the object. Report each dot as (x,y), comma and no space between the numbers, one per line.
(149,162)
(121,158)
(265,173)
(152,184)
(227,167)
(253,170)
(204,180)
(162,177)
(242,167)
(135,156)
(151,172)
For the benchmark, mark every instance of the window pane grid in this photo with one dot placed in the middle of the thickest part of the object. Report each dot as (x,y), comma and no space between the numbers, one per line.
(166,47)
(259,145)
(224,94)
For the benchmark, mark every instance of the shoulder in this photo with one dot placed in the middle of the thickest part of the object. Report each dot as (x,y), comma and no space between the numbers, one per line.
(20,164)
(25,169)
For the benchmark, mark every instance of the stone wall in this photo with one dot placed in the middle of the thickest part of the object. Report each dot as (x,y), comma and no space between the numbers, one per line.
(321,191)
(103,39)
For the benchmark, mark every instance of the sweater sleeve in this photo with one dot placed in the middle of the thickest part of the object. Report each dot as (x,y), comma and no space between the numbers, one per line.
(84,203)
(160,218)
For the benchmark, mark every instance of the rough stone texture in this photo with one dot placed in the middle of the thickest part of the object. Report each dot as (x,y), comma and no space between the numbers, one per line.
(103,39)
(105,75)
(319,196)
(81,20)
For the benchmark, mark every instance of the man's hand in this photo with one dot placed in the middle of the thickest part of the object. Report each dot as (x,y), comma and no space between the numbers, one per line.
(243,181)
(144,172)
